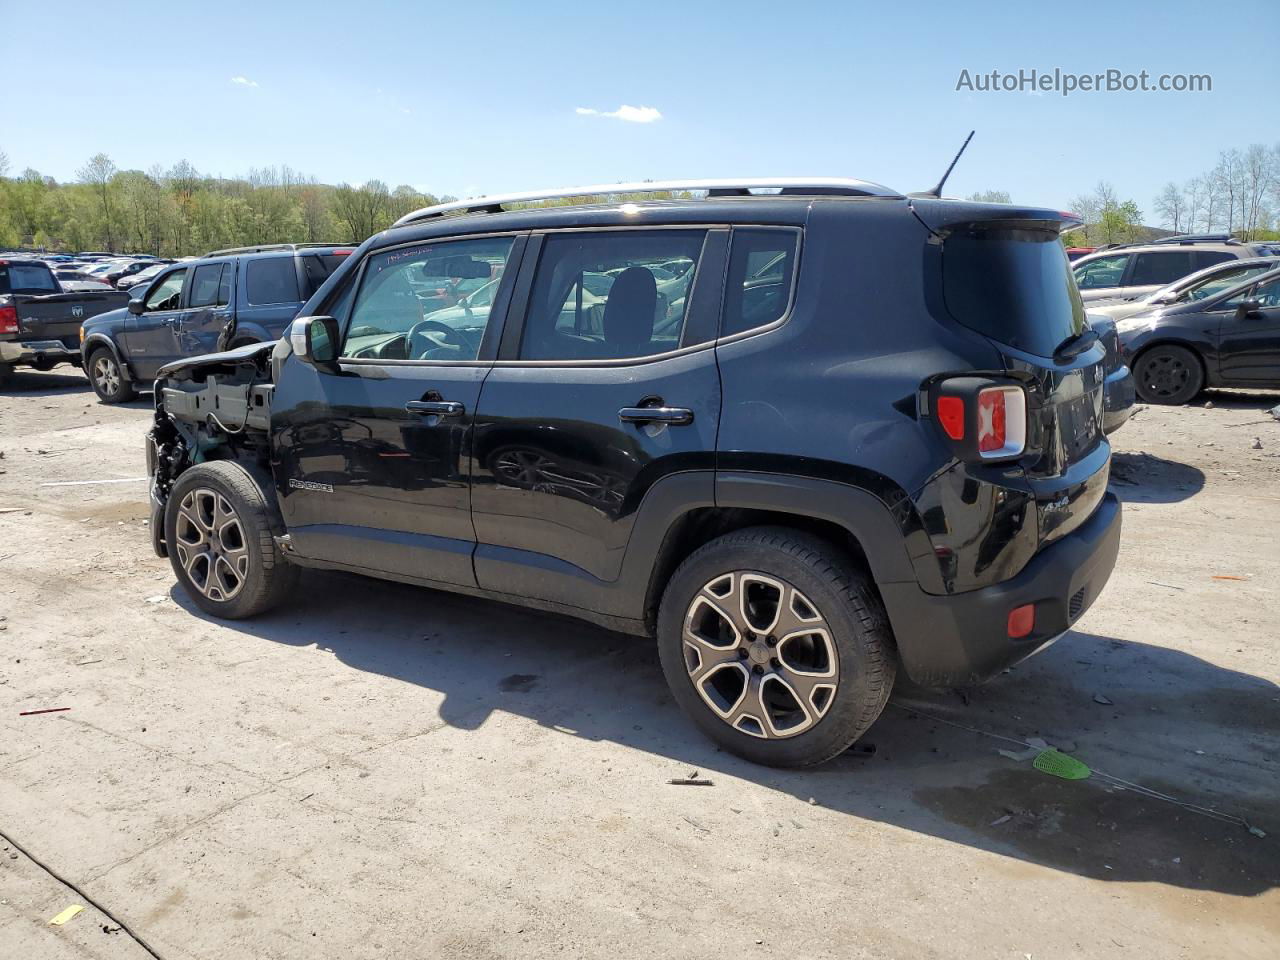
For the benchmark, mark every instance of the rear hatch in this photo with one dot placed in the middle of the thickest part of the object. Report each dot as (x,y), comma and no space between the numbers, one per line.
(1005,274)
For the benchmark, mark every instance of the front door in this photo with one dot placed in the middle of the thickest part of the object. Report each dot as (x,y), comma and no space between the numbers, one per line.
(150,337)
(372,458)
(608,384)
(208,308)
(1249,346)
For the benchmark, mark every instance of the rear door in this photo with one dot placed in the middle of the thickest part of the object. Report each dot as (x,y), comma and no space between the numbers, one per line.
(151,338)
(208,308)
(372,458)
(595,398)
(1249,346)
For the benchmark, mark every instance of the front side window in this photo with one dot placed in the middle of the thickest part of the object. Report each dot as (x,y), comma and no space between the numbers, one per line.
(271,280)
(1103,272)
(1267,294)
(606,295)
(761,268)
(167,293)
(426,302)
(1160,268)
(205,284)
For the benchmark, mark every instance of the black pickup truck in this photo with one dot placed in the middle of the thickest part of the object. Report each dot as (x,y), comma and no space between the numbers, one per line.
(39,320)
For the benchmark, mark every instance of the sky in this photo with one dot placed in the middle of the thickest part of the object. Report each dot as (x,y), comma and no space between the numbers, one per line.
(472,98)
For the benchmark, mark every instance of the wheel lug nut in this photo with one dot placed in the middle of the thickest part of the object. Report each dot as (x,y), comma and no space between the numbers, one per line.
(742,653)
(757,669)
(771,641)
(775,663)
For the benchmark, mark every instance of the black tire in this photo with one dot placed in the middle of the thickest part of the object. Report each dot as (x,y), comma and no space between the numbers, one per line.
(6,374)
(107,378)
(1168,374)
(841,596)
(238,590)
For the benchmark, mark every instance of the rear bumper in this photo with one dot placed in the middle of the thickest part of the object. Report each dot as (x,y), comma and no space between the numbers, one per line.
(963,638)
(36,352)
(1118,398)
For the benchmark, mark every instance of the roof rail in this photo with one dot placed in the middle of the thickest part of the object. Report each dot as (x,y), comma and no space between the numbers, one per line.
(788,186)
(266,247)
(1198,238)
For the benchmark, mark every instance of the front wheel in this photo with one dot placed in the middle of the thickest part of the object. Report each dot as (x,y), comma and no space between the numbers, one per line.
(108,379)
(776,646)
(1168,374)
(220,535)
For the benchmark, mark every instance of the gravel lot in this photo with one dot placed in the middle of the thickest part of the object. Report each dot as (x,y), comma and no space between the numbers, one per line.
(383,771)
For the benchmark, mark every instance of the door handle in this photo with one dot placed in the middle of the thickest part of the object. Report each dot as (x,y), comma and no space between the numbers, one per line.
(436,408)
(672,415)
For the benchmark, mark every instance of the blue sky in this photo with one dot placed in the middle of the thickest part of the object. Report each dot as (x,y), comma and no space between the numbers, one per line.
(480,97)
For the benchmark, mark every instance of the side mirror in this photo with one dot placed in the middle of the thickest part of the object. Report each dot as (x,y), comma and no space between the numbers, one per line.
(1249,308)
(136,306)
(315,340)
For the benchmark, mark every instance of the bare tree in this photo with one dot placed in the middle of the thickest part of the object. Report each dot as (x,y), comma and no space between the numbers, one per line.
(1171,205)
(1257,171)
(990,196)
(98,173)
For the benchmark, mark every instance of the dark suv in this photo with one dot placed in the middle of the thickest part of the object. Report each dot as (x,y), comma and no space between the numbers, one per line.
(854,432)
(228,298)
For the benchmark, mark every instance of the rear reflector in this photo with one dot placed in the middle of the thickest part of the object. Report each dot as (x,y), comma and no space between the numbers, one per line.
(951,416)
(1022,620)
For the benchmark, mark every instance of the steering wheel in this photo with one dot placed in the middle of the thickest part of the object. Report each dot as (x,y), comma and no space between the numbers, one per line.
(418,343)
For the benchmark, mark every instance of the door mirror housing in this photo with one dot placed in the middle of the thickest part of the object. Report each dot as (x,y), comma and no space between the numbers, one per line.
(315,340)
(136,306)
(1250,308)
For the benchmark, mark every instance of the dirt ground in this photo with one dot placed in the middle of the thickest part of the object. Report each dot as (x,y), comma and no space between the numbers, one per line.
(387,772)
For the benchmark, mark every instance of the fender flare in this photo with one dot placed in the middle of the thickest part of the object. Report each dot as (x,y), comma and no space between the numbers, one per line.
(95,340)
(247,331)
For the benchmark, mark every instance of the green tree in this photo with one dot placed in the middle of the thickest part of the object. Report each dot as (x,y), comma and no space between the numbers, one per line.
(98,173)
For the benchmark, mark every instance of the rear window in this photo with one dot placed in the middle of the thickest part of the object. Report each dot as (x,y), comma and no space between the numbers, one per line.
(271,280)
(1012,285)
(26,278)
(316,268)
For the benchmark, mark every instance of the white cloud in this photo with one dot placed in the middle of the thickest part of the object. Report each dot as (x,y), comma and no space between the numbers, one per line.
(625,112)
(244,82)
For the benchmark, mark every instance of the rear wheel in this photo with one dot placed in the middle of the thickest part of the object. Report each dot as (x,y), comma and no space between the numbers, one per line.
(1169,374)
(775,646)
(108,379)
(220,535)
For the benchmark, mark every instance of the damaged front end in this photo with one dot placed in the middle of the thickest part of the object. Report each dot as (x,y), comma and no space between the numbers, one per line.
(213,407)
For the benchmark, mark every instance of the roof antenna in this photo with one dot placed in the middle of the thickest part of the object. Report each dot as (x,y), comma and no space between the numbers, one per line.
(937,191)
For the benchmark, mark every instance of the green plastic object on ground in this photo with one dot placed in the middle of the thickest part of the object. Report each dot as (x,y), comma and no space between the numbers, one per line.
(1060,765)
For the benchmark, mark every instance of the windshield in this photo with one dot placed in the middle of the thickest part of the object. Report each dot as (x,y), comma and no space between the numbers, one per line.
(1013,285)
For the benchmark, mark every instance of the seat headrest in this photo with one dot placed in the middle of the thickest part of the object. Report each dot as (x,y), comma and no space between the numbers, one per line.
(629,310)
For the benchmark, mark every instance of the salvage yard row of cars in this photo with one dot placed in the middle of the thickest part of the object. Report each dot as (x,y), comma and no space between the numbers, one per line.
(687,419)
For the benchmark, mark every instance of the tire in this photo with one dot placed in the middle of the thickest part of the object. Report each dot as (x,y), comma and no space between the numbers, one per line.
(1168,374)
(837,651)
(6,374)
(244,574)
(107,378)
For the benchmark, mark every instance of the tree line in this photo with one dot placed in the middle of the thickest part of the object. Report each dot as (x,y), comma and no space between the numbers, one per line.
(180,211)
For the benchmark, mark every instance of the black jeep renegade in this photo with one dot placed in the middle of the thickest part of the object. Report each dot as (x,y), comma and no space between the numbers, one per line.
(805,437)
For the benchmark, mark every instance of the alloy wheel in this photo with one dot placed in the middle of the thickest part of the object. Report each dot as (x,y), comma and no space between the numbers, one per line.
(106,375)
(211,544)
(760,654)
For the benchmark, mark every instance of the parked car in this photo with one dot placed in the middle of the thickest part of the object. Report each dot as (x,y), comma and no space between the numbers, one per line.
(1119,393)
(228,298)
(1196,286)
(1231,339)
(799,485)
(1075,253)
(148,272)
(40,318)
(1136,270)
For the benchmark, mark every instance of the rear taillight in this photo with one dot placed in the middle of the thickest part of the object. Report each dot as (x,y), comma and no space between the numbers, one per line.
(984,420)
(8,319)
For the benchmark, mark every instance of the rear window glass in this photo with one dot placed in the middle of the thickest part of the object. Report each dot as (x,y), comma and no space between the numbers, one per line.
(1207,258)
(26,278)
(271,280)
(759,287)
(316,268)
(1014,286)
(1160,267)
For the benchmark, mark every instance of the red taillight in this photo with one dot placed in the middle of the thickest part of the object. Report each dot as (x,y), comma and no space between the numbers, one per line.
(951,416)
(1022,620)
(991,421)
(8,319)
(1002,421)
(342,253)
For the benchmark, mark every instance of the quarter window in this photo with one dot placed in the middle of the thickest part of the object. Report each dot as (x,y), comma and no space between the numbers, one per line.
(167,293)
(761,268)
(611,295)
(428,302)
(271,280)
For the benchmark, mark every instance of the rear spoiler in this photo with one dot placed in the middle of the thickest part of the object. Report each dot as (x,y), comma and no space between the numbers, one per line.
(941,216)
